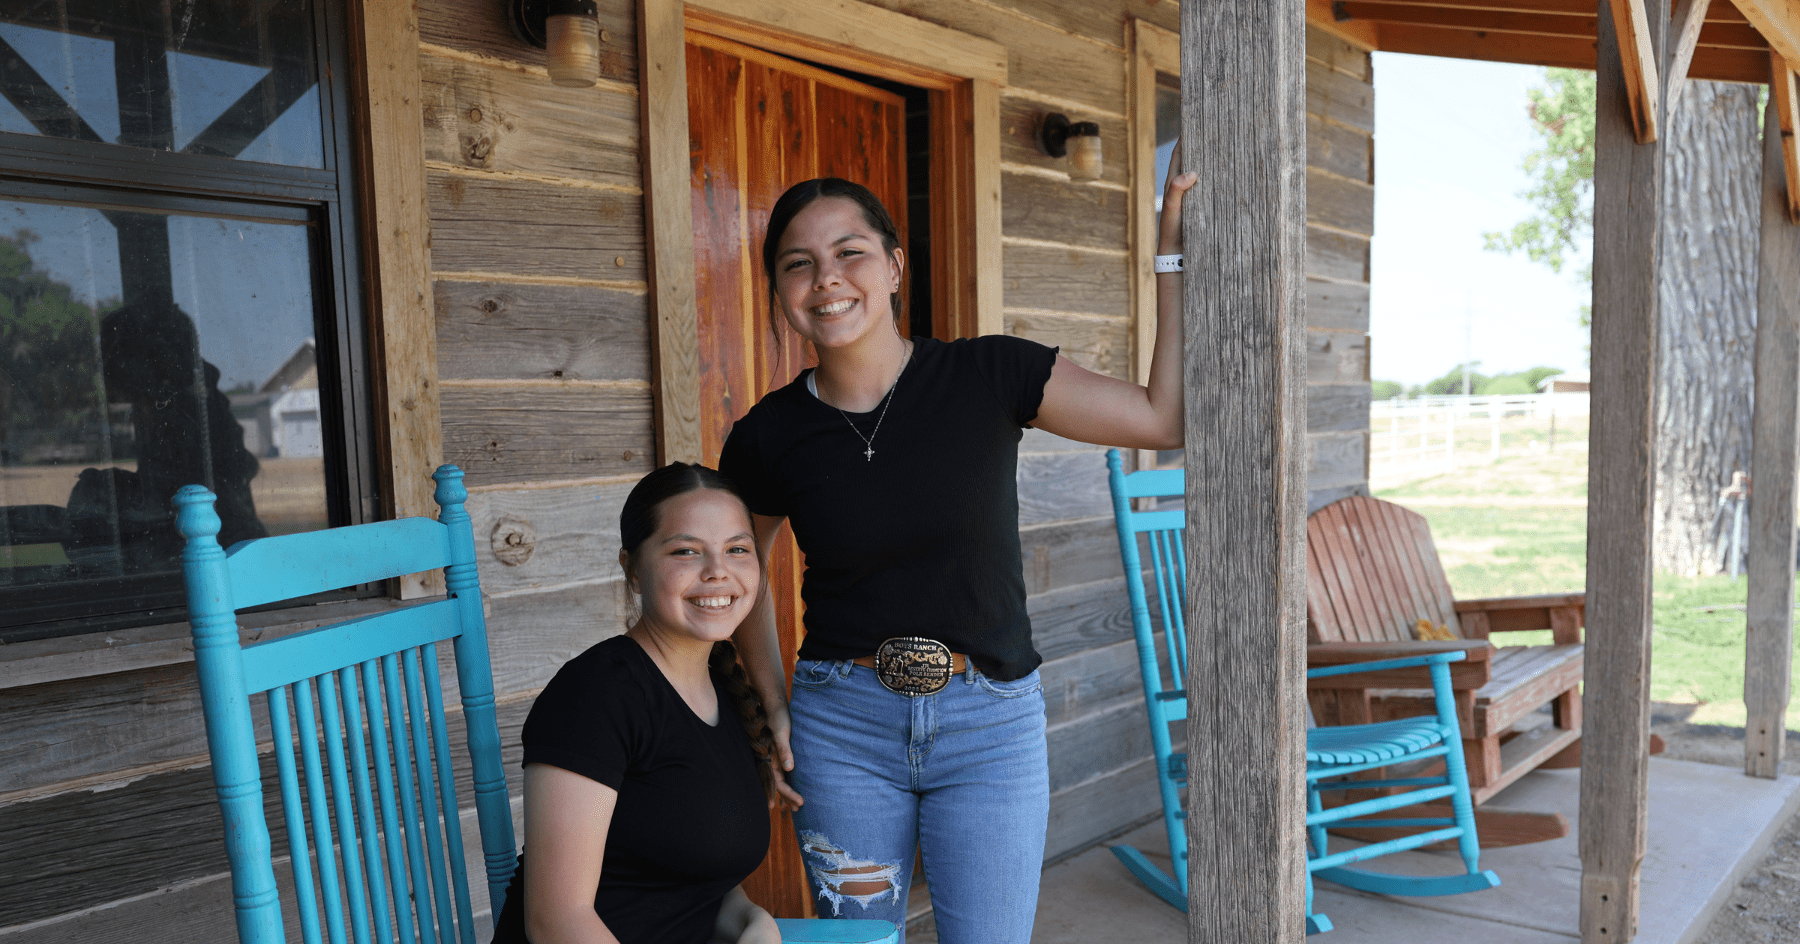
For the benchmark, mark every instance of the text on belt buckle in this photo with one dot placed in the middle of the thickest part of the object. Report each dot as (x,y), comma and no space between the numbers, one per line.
(913,665)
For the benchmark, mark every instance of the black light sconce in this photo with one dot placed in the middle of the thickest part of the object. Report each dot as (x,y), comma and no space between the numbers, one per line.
(1079,140)
(569,33)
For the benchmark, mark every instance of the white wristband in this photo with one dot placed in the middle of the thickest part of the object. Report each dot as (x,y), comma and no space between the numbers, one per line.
(1168,263)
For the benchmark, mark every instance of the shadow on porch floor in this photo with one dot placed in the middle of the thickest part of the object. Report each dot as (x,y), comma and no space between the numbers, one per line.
(1707,825)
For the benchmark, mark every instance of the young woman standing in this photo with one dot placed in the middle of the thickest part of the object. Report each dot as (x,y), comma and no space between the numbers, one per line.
(917,718)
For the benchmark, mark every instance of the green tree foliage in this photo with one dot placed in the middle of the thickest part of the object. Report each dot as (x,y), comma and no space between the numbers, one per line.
(1386,389)
(50,386)
(1486,385)
(1562,173)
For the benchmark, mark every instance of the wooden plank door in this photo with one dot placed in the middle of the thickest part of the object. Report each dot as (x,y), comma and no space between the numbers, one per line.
(759,123)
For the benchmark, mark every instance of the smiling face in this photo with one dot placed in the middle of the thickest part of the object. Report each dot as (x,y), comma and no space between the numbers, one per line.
(834,280)
(698,573)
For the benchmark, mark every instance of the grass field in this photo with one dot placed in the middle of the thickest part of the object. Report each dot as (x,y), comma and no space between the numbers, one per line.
(1519,526)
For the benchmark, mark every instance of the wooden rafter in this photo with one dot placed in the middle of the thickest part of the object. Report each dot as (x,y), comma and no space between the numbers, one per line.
(1779,23)
(1637,55)
(1502,21)
(1578,22)
(1684,35)
(1321,14)
(1570,52)
(1787,110)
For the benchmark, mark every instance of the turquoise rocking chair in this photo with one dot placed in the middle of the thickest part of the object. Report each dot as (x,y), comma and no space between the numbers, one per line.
(1333,754)
(373,735)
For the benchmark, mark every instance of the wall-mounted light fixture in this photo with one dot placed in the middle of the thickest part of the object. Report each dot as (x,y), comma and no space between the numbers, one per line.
(1079,140)
(569,33)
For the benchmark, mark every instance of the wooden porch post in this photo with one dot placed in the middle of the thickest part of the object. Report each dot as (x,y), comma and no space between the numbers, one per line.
(1768,650)
(1621,476)
(1244,372)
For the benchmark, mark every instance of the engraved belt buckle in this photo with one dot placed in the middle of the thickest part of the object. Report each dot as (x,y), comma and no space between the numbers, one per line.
(913,665)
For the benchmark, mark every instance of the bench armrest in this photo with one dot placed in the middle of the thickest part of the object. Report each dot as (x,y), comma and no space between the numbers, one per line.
(1562,613)
(1470,673)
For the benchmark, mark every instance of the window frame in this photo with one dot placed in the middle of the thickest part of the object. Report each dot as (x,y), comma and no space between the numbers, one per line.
(1153,50)
(40,168)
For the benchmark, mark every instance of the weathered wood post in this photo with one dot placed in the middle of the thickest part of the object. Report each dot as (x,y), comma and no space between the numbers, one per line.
(1769,646)
(1627,195)
(1244,370)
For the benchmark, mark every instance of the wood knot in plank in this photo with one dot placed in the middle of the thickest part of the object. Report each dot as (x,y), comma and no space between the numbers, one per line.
(512,540)
(479,151)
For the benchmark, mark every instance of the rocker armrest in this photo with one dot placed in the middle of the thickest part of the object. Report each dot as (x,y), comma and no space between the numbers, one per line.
(1470,673)
(1562,613)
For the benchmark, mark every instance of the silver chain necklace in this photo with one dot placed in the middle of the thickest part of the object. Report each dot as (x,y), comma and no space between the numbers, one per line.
(886,401)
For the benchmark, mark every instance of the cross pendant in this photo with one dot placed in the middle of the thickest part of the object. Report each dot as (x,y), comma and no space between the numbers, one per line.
(869,454)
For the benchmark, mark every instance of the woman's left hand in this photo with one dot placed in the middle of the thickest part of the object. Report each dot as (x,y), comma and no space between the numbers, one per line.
(782,760)
(1168,230)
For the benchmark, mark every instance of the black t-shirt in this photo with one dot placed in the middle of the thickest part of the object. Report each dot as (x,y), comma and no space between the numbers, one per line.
(921,539)
(691,821)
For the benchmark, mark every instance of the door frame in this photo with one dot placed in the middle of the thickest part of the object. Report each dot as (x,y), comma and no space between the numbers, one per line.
(963,75)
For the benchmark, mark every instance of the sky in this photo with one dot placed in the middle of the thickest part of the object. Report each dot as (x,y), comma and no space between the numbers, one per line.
(1450,139)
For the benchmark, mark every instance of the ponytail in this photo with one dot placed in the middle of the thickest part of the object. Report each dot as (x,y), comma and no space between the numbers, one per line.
(748,705)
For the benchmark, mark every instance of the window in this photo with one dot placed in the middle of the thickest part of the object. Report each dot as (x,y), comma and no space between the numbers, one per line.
(178,295)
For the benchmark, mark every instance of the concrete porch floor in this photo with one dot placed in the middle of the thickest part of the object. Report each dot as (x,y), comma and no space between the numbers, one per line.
(1707,825)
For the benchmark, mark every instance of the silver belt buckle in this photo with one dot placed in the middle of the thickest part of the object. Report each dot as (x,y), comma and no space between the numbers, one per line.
(913,665)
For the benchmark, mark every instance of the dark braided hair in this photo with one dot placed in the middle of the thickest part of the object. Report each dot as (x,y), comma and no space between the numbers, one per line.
(749,707)
(637,522)
(799,197)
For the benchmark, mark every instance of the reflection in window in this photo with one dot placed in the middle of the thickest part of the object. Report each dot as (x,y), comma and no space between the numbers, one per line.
(140,352)
(1168,128)
(215,77)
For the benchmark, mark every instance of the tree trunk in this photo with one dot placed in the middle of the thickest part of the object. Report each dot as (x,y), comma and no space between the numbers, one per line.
(1708,332)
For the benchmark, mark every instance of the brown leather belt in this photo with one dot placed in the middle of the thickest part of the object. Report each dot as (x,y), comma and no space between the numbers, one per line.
(914,665)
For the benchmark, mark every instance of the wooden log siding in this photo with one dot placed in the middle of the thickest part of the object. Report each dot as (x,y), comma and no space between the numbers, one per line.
(1614,762)
(1340,218)
(544,352)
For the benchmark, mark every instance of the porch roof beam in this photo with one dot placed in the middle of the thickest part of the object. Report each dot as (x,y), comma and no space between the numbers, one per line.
(1710,62)
(1684,36)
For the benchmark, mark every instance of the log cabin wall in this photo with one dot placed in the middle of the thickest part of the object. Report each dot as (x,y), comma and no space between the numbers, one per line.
(108,824)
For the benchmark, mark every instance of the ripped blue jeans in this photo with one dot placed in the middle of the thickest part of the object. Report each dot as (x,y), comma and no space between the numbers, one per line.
(961,774)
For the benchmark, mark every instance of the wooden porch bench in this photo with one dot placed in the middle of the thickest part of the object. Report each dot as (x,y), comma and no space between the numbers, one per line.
(1372,574)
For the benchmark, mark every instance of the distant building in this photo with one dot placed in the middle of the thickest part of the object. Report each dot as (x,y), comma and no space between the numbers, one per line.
(1564,383)
(281,419)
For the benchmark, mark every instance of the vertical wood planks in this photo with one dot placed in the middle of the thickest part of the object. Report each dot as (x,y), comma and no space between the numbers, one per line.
(1243,101)
(398,246)
(1768,648)
(668,218)
(1614,792)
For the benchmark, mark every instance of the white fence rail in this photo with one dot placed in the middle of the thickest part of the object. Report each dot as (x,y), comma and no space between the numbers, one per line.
(1422,432)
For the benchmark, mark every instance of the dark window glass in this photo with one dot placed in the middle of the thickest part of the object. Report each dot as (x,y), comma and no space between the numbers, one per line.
(228,79)
(170,313)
